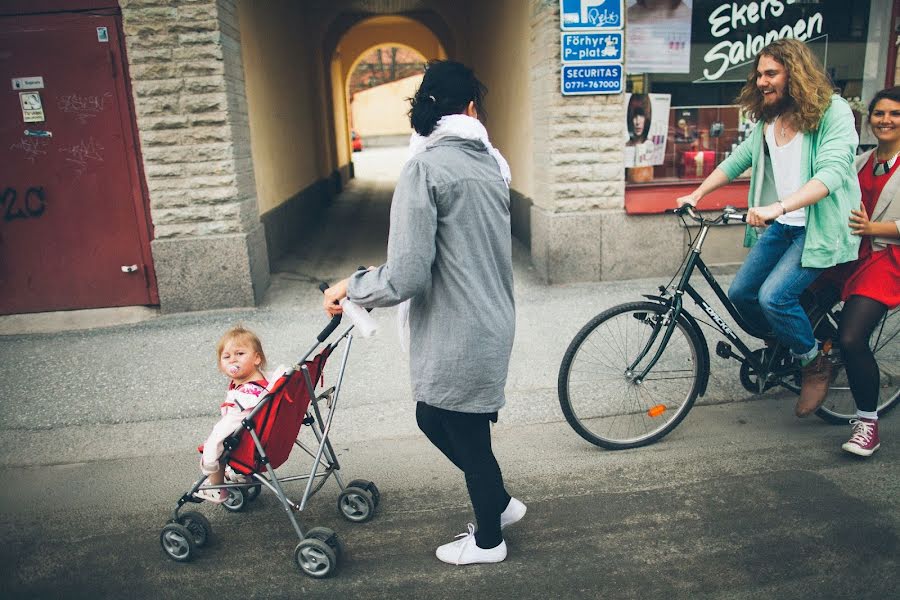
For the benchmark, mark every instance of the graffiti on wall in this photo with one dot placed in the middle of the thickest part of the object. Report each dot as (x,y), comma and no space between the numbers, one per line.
(30,205)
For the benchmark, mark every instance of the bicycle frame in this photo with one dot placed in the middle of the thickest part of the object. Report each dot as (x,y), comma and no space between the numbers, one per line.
(676,306)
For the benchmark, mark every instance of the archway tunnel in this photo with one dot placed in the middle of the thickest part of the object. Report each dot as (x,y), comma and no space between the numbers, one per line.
(298,60)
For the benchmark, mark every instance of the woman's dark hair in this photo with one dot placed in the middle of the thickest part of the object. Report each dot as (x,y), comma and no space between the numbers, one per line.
(446,89)
(638,104)
(891,93)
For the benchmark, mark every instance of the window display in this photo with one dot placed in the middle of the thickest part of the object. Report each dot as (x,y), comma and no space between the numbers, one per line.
(703,124)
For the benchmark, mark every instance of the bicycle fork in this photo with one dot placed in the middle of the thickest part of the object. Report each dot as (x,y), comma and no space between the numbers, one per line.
(668,320)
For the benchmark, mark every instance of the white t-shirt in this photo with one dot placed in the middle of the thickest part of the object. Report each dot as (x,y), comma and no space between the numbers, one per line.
(787,172)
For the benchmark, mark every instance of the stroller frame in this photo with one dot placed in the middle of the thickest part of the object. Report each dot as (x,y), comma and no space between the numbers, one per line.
(320,549)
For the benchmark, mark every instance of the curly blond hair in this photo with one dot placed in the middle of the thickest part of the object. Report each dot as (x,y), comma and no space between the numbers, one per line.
(808,86)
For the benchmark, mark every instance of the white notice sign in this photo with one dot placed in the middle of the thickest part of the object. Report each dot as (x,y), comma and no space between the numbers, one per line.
(32,110)
(27,83)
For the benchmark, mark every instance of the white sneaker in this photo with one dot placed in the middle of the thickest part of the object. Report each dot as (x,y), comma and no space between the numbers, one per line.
(513,513)
(465,551)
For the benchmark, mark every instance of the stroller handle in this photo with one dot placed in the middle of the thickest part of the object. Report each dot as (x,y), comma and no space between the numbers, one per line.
(333,324)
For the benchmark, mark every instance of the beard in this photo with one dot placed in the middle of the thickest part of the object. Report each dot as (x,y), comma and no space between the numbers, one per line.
(769,111)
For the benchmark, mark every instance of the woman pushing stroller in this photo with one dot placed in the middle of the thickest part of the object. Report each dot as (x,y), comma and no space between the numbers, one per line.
(449,255)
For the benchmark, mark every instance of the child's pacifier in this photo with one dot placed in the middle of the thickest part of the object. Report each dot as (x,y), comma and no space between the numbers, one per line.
(233,369)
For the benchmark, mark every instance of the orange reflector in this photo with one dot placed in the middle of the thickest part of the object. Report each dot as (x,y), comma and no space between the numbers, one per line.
(657,410)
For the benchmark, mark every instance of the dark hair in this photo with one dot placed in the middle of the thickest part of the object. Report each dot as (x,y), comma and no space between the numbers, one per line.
(638,104)
(446,89)
(891,93)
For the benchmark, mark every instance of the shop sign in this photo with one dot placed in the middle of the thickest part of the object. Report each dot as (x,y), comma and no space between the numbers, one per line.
(588,46)
(592,78)
(595,15)
(729,17)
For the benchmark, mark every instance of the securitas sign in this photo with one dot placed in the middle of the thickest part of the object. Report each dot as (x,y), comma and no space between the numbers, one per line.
(592,78)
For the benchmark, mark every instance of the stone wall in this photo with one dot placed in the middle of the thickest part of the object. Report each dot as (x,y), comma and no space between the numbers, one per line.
(188,86)
(579,231)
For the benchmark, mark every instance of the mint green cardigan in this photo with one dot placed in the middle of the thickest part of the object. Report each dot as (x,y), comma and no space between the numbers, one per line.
(828,154)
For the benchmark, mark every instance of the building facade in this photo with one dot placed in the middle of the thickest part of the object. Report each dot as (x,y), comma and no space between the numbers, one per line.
(164,152)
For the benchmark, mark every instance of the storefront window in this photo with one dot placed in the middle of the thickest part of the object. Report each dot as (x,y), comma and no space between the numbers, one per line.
(688,59)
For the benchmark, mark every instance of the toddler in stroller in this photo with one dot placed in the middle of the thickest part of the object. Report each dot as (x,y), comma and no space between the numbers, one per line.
(269,415)
(241,357)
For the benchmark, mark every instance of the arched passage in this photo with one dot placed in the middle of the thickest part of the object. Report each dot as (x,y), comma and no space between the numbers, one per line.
(353,44)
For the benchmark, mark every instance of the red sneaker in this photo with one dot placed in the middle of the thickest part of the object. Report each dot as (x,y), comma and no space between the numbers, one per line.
(864,441)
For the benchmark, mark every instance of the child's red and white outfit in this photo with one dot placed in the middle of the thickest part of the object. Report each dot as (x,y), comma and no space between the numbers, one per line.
(239,403)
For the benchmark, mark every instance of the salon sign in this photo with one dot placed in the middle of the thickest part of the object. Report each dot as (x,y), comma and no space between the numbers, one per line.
(591,47)
(736,49)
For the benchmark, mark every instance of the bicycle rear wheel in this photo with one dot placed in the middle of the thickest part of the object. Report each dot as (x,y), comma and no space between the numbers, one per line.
(839,406)
(597,391)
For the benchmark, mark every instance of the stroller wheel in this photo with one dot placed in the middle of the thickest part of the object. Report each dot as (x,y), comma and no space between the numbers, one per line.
(237,501)
(315,558)
(329,537)
(252,492)
(177,542)
(367,485)
(198,525)
(356,504)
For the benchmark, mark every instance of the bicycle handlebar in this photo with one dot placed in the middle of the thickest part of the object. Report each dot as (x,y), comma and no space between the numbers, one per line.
(729,214)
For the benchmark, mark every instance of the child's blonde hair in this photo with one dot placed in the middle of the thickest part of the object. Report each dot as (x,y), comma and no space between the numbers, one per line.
(239,333)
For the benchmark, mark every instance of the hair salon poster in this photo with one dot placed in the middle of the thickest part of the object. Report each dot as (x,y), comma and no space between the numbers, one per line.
(658,36)
(647,124)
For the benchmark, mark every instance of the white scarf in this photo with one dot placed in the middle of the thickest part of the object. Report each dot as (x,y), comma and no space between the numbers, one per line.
(458,126)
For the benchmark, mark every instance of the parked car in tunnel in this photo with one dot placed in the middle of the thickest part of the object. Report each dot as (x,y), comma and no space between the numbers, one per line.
(356,141)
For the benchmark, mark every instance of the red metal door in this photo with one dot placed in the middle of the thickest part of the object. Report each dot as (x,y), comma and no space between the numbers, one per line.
(74,228)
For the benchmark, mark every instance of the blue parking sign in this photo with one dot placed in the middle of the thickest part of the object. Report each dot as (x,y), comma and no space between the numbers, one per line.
(592,78)
(590,14)
(580,46)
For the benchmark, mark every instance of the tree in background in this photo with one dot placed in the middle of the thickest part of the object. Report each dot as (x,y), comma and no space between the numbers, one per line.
(383,65)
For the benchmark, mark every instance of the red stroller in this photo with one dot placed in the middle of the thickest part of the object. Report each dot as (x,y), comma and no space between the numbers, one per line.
(263,444)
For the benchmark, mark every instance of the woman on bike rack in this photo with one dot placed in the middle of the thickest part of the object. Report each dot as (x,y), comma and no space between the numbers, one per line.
(874,285)
(801,156)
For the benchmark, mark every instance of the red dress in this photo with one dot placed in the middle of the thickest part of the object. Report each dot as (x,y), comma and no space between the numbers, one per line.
(877,273)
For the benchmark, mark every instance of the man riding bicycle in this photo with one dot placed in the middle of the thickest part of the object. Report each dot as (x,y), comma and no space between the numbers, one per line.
(801,155)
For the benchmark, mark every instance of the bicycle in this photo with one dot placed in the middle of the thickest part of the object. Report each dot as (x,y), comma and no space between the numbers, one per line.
(633,372)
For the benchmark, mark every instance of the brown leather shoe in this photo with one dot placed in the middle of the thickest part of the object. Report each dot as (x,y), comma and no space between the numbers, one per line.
(816,377)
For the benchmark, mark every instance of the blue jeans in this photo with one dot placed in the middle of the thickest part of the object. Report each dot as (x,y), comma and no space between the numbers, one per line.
(766,290)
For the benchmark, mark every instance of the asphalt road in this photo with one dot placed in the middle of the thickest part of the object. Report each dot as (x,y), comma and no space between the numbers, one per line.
(741,501)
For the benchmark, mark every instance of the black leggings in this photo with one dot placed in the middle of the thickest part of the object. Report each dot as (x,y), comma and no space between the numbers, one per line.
(465,438)
(859,318)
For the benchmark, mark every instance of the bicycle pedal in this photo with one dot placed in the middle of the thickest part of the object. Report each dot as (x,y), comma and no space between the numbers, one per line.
(723,349)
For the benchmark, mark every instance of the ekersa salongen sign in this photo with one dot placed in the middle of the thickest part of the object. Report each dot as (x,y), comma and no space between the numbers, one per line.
(731,16)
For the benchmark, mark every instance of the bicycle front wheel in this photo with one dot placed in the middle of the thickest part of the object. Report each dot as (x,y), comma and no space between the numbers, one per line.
(598,393)
(839,406)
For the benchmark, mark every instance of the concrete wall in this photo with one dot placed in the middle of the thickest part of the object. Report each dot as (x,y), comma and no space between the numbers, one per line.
(500,41)
(282,94)
(383,110)
(294,155)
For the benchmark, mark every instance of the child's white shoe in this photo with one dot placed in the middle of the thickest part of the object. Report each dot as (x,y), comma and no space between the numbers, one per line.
(216,496)
(232,476)
(465,551)
(513,513)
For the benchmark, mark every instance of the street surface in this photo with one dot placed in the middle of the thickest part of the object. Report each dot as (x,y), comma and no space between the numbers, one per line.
(99,428)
